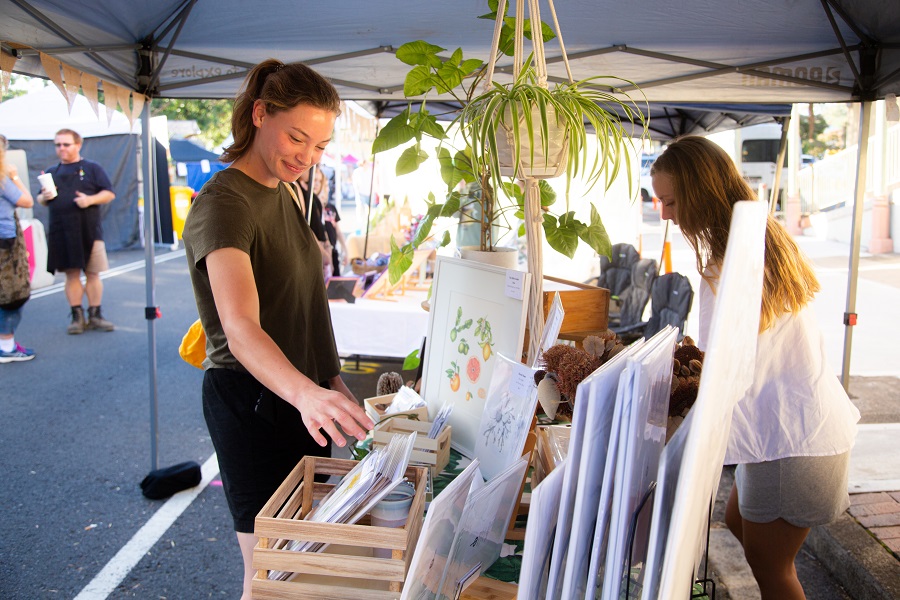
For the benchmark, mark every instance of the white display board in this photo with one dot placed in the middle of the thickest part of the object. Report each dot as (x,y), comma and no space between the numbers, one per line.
(727,373)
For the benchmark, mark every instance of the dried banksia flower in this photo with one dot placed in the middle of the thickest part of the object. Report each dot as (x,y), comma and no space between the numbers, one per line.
(388,383)
(573,369)
(554,355)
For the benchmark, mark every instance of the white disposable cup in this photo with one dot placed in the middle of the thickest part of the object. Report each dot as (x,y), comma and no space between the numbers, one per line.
(46,181)
(392,511)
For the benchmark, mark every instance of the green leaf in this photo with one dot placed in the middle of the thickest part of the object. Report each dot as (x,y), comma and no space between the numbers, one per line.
(420,53)
(426,123)
(423,231)
(400,261)
(444,241)
(451,206)
(411,361)
(595,235)
(561,236)
(418,82)
(548,194)
(449,173)
(395,132)
(410,159)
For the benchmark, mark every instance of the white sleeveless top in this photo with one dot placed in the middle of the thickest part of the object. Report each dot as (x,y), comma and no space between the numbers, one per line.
(796,405)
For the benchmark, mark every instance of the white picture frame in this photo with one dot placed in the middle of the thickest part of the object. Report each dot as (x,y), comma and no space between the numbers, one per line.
(465,295)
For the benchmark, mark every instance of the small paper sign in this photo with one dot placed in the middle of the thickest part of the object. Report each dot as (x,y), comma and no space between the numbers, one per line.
(522,381)
(515,283)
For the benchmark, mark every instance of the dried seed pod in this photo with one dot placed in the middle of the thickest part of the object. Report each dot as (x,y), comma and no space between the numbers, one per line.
(594,345)
(388,383)
(695,366)
(676,366)
(688,341)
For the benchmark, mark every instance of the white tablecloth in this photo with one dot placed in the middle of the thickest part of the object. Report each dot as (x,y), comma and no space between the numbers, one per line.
(380,327)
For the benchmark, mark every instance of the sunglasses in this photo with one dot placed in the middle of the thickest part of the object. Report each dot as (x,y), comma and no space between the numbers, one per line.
(64,145)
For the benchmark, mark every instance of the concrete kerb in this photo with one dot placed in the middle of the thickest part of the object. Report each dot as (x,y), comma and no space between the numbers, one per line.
(858,561)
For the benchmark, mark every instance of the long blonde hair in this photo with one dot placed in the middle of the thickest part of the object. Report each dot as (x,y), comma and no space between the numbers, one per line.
(707,185)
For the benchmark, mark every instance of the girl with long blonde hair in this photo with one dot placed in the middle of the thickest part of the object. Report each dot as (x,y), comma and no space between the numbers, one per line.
(792,431)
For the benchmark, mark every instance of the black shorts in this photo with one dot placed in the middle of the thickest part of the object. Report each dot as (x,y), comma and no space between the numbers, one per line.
(258,437)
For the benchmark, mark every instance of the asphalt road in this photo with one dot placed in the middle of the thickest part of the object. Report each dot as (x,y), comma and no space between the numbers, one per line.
(75,444)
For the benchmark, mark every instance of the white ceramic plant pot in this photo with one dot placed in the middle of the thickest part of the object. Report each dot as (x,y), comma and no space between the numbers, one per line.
(541,166)
(508,258)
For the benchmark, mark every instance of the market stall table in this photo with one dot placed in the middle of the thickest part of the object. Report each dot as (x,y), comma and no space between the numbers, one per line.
(390,328)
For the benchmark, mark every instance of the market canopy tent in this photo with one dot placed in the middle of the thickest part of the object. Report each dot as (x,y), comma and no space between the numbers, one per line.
(198,163)
(695,51)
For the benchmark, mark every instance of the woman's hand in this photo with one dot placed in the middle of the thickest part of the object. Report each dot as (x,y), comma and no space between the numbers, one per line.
(324,410)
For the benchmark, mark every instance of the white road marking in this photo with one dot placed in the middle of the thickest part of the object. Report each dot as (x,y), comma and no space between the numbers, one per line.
(106,581)
(133,266)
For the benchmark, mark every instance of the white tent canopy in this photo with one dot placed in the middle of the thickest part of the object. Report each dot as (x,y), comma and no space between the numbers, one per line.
(40,114)
(691,51)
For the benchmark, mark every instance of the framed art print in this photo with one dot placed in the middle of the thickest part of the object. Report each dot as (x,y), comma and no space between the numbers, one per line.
(477,311)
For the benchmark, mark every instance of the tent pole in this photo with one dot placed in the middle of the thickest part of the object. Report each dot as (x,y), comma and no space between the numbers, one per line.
(150,312)
(865,114)
(779,166)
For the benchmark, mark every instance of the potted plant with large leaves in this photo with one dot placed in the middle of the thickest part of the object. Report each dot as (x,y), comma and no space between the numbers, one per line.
(507,132)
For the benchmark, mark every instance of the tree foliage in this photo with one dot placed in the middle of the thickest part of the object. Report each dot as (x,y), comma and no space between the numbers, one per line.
(213,116)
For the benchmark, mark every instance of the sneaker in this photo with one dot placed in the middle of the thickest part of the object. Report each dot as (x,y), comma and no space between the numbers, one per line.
(18,354)
(77,324)
(96,320)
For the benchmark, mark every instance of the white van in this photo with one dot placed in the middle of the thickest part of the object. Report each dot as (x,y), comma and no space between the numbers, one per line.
(756,149)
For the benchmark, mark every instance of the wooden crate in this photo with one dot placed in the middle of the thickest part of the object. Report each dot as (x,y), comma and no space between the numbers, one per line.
(434,454)
(587,310)
(375,411)
(346,570)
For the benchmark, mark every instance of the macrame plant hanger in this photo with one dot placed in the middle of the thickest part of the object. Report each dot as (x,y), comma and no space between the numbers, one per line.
(534,216)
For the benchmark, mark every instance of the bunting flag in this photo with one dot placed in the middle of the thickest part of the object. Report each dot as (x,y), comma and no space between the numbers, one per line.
(72,81)
(7,62)
(110,98)
(89,88)
(138,105)
(124,105)
(52,68)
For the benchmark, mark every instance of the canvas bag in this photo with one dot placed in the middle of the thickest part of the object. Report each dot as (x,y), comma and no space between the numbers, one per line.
(15,281)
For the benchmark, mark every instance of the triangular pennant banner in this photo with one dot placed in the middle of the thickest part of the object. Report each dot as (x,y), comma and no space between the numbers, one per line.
(51,67)
(138,101)
(72,80)
(124,105)
(110,99)
(89,87)
(7,62)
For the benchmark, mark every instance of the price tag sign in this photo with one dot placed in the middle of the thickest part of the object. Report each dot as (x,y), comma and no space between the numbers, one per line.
(522,381)
(515,283)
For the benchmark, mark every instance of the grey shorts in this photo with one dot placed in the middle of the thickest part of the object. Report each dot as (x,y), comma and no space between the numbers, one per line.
(805,491)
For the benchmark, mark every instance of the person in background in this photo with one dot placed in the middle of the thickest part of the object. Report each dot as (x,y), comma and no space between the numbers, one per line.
(313,208)
(75,234)
(332,221)
(13,195)
(792,432)
(272,388)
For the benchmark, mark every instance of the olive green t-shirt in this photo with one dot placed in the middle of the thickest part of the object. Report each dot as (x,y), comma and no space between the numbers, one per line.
(234,211)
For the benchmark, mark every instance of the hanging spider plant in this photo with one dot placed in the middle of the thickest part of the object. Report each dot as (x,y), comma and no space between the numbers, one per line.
(524,130)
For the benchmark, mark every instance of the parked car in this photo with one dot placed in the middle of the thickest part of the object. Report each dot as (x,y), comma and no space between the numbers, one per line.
(647,161)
